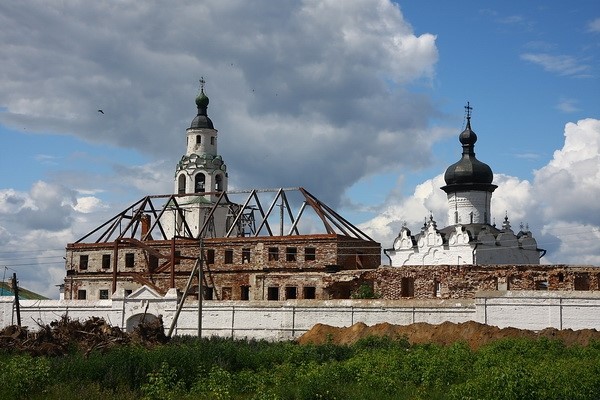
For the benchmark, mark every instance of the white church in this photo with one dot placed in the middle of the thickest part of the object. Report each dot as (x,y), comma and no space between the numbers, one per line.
(469,238)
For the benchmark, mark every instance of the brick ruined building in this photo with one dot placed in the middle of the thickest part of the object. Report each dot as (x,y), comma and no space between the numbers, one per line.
(253,244)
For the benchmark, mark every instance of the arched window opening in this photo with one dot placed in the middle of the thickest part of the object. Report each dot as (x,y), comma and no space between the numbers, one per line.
(199,183)
(219,183)
(181,184)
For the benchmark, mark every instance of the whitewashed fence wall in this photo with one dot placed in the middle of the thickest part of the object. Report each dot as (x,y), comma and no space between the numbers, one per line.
(290,319)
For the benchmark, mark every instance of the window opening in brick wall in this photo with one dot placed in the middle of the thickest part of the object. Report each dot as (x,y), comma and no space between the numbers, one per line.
(273,254)
(561,277)
(309,292)
(407,287)
(83,261)
(245,256)
(291,292)
(310,254)
(153,262)
(212,140)
(129,260)
(128,292)
(290,254)
(208,292)
(81,294)
(273,293)
(210,256)
(198,139)
(437,288)
(229,256)
(103,294)
(105,261)
(541,285)
(226,293)
(582,282)
(245,292)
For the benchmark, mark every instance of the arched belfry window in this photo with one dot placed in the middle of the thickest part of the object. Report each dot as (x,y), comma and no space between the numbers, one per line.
(219,183)
(199,182)
(181,184)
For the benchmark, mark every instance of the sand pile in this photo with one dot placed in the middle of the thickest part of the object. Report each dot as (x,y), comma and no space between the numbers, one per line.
(472,333)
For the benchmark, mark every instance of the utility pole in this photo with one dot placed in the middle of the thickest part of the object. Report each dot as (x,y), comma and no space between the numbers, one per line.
(15,288)
(200,286)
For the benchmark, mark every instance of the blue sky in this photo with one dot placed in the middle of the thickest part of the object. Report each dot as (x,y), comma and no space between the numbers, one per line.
(361,102)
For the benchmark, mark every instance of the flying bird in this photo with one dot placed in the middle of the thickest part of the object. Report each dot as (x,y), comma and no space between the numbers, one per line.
(101,112)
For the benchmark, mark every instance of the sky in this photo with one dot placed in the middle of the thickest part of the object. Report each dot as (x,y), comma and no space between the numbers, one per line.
(361,102)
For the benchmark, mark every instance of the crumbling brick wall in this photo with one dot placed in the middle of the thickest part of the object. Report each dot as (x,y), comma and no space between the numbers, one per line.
(463,281)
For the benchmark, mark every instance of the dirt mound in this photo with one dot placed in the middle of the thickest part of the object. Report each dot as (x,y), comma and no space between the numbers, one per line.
(472,333)
(60,336)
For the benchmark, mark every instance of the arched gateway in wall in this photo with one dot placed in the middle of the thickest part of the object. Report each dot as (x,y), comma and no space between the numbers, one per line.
(137,319)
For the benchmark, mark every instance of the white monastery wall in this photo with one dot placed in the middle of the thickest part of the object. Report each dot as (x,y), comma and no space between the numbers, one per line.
(537,310)
(290,319)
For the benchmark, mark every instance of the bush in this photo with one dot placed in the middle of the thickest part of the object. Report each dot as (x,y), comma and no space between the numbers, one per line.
(23,376)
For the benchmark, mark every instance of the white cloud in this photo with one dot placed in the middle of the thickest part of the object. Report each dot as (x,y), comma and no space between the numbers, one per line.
(572,177)
(88,204)
(327,65)
(561,64)
(567,105)
(35,227)
(594,26)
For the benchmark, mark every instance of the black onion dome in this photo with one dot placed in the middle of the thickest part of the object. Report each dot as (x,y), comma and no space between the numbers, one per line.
(469,173)
(202,121)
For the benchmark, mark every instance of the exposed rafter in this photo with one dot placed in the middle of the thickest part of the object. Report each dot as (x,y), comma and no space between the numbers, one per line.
(294,211)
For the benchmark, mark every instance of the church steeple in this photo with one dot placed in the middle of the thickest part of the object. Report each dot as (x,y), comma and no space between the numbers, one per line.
(202,121)
(469,182)
(201,169)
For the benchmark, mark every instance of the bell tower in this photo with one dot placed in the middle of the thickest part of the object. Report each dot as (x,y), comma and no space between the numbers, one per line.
(201,170)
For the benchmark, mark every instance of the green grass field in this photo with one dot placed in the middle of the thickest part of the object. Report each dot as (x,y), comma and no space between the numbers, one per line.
(373,368)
